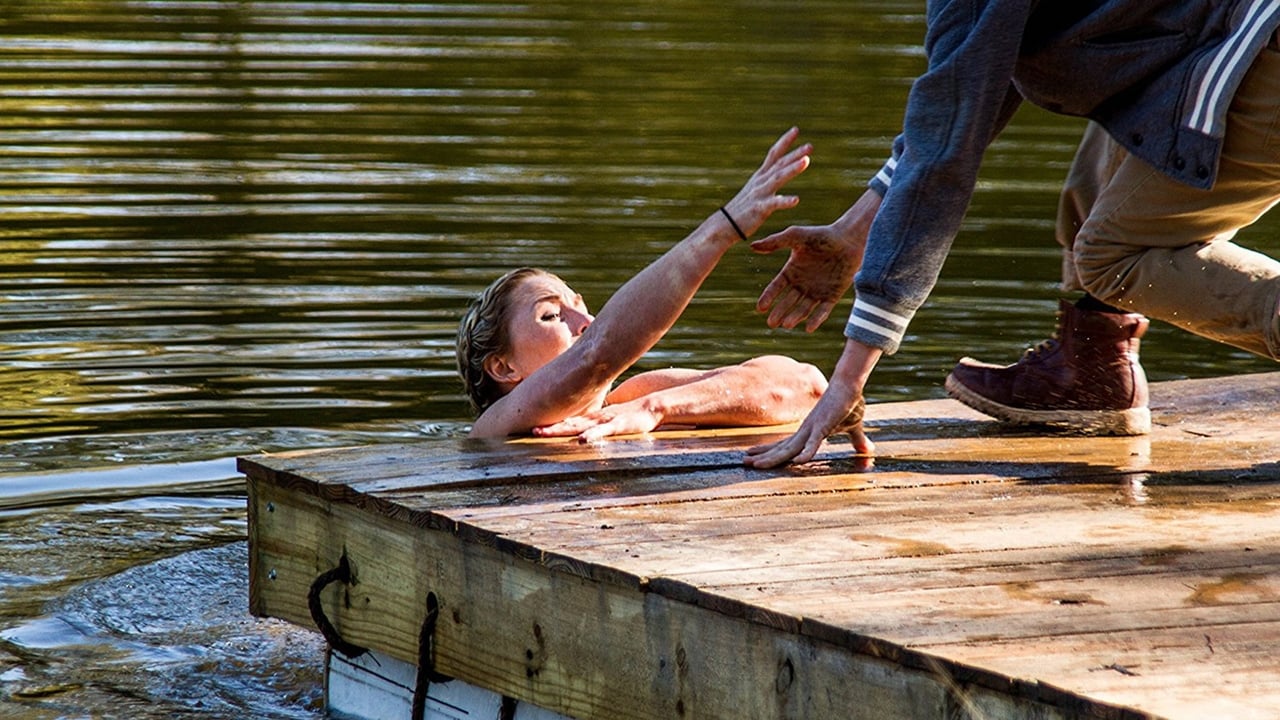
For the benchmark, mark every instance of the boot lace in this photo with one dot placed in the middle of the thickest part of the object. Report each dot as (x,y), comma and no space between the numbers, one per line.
(1044,347)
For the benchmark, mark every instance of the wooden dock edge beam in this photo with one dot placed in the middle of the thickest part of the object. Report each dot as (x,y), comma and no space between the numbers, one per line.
(590,643)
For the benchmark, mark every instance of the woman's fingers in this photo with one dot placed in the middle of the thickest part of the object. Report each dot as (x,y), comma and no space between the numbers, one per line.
(571,425)
(781,144)
(796,162)
(786,164)
(599,432)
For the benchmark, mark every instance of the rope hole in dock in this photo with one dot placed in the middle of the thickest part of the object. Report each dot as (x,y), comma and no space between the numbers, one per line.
(508,709)
(427,658)
(331,635)
(786,675)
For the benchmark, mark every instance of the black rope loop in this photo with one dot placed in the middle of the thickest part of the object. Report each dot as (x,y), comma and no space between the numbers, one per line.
(427,658)
(343,573)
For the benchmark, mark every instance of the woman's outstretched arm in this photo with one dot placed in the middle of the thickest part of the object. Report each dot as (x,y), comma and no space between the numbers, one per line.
(645,307)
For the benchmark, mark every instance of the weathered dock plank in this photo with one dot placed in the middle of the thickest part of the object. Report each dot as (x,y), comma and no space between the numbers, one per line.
(968,571)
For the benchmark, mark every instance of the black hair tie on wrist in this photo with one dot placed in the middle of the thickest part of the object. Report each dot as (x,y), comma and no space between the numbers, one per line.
(736,229)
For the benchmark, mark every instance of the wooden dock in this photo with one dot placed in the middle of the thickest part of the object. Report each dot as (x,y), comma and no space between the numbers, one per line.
(970,571)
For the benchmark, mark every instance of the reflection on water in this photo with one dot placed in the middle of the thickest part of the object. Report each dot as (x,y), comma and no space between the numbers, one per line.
(233,225)
(238,225)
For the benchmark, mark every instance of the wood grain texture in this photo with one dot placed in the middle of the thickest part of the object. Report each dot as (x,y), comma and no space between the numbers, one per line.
(969,570)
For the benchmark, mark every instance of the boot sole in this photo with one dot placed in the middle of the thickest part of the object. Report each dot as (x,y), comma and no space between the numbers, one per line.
(1133,421)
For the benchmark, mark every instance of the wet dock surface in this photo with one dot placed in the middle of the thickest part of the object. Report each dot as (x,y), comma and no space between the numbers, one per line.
(967,568)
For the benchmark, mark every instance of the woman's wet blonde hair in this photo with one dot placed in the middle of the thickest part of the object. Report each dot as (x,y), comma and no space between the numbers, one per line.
(483,332)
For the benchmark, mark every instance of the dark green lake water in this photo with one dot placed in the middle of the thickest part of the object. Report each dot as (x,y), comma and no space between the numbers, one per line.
(231,226)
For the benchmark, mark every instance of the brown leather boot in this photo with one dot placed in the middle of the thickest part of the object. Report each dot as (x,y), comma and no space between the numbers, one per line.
(1087,380)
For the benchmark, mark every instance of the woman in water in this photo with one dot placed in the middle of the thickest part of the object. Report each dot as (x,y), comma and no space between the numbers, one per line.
(534,359)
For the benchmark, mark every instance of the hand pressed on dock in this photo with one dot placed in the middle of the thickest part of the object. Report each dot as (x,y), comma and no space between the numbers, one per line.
(840,410)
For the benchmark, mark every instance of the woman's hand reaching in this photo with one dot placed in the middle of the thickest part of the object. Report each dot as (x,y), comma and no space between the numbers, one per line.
(759,198)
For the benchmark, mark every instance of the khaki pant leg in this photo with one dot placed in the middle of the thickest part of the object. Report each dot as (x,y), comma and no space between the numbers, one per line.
(1152,245)
(1097,159)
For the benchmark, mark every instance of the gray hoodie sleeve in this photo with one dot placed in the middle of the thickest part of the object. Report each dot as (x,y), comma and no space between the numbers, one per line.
(954,111)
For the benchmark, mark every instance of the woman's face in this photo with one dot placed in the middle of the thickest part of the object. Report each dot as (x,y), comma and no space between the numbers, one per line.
(547,317)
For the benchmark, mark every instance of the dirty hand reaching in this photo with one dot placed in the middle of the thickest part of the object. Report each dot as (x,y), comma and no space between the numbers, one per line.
(820,269)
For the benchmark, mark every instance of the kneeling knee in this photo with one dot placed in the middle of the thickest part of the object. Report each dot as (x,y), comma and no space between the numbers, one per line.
(1103,269)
